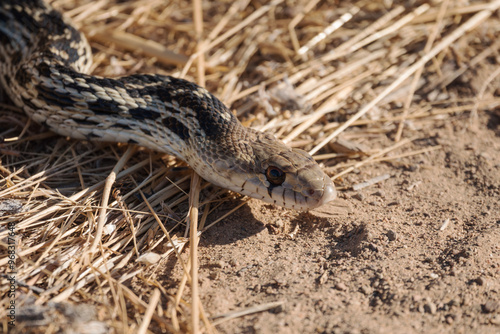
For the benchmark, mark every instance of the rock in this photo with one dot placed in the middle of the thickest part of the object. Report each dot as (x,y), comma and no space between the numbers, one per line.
(480,281)
(417,298)
(392,235)
(373,247)
(490,306)
(323,278)
(359,196)
(366,290)
(10,206)
(430,307)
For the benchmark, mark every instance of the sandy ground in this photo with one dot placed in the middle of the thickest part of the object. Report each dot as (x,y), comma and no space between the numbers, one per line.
(418,253)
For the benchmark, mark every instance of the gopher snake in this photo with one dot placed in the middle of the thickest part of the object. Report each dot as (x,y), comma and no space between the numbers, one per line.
(43,66)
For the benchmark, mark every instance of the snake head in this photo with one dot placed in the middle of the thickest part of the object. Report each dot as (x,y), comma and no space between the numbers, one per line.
(269,170)
(294,180)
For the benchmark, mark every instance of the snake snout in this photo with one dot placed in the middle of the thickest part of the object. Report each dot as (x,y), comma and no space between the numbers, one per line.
(323,192)
(329,191)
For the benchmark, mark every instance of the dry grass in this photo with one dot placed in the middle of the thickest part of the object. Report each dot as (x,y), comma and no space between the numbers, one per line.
(308,72)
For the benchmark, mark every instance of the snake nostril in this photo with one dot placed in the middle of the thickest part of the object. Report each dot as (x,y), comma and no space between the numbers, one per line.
(311,192)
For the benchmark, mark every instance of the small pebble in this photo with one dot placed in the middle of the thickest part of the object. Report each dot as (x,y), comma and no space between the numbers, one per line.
(413,168)
(430,307)
(10,206)
(270,290)
(480,280)
(278,309)
(449,319)
(392,235)
(323,278)
(279,223)
(373,247)
(341,286)
(490,306)
(218,264)
(366,290)
(359,196)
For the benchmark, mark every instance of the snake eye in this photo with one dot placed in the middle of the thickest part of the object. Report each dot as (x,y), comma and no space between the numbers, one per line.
(275,176)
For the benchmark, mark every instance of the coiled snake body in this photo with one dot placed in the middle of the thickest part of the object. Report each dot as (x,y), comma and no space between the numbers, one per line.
(43,66)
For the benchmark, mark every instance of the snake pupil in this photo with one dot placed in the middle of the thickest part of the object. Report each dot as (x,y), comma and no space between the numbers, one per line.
(275,176)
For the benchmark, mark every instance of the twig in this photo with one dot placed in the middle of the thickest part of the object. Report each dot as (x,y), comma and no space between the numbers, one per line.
(153,302)
(193,252)
(250,310)
(370,182)
(110,180)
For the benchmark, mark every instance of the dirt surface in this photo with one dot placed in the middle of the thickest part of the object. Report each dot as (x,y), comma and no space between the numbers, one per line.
(417,253)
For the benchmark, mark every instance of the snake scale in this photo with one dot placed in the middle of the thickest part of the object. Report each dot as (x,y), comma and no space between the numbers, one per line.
(44,64)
